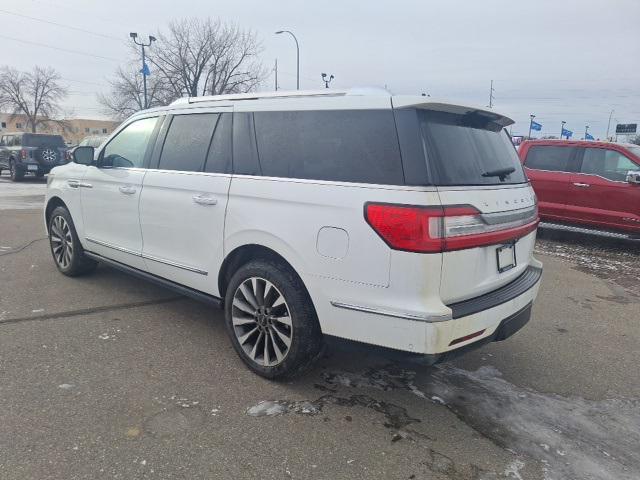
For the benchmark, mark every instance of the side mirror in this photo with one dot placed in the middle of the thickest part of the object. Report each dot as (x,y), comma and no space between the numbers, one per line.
(83,155)
(633,176)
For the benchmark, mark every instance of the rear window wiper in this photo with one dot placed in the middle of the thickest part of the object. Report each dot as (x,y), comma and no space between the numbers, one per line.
(499,172)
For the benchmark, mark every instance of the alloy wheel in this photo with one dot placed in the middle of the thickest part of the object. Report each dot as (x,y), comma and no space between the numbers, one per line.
(61,241)
(262,321)
(49,155)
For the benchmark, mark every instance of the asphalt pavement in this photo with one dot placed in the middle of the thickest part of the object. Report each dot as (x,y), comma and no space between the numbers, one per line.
(106,376)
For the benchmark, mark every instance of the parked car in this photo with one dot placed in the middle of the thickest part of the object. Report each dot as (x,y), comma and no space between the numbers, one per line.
(88,141)
(586,184)
(395,221)
(36,153)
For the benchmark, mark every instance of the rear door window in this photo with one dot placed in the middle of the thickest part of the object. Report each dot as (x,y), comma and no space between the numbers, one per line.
(469,150)
(40,141)
(337,145)
(549,157)
(609,164)
(187,142)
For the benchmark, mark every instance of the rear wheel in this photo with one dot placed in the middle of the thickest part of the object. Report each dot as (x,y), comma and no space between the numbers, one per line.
(271,320)
(15,175)
(66,250)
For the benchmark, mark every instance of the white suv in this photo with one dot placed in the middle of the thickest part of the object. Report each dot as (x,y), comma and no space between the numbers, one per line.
(389,220)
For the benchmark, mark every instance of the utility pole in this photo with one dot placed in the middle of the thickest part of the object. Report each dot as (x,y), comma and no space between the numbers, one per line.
(609,124)
(327,82)
(491,90)
(530,124)
(586,131)
(562,129)
(145,68)
(276,71)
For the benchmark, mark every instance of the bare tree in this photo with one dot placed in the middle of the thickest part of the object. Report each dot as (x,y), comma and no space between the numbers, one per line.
(208,57)
(36,94)
(193,57)
(126,94)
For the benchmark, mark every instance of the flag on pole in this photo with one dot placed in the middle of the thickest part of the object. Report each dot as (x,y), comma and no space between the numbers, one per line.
(536,126)
(588,136)
(145,70)
(567,133)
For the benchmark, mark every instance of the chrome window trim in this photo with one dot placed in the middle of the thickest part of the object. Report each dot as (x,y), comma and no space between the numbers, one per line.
(390,313)
(148,257)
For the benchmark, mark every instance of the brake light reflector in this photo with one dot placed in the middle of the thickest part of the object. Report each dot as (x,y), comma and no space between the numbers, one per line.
(441,229)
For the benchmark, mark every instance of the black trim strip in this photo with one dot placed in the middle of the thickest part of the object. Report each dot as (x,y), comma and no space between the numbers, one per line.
(529,278)
(176,287)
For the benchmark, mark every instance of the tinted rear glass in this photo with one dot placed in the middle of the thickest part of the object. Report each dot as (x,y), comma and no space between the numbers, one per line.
(548,157)
(42,140)
(469,150)
(339,145)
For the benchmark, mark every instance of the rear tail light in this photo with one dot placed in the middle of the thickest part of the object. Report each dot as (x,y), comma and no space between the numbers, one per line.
(441,229)
(24,154)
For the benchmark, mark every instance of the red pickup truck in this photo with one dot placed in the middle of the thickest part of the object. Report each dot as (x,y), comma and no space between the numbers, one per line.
(588,184)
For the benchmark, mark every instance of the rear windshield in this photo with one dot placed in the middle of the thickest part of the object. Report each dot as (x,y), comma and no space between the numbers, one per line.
(42,141)
(469,150)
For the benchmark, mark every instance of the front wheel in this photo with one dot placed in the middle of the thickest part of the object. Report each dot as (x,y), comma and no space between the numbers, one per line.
(66,250)
(271,320)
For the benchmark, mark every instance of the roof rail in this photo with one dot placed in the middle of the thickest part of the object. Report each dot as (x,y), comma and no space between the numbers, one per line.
(259,95)
(281,94)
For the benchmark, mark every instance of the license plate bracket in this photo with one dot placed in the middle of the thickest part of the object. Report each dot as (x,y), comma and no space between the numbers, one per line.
(506,257)
(32,168)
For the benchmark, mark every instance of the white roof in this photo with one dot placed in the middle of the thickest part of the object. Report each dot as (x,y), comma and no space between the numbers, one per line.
(358,98)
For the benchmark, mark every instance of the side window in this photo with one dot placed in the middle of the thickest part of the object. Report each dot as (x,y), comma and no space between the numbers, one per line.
(341,145)
(219,158)
(606,163)
(245,153)
(187,142)
(555,159)
(128,148)
(17,141)
(3,141)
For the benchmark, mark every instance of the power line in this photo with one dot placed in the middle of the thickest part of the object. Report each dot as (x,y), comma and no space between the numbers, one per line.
(61,25)
(60,49)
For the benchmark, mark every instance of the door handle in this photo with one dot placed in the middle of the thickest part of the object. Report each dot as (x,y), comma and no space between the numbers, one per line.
(204,199)
(127,189)
(581,185)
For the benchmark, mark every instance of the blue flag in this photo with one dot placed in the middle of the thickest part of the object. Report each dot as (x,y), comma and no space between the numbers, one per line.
(588,136)
(536,126)
(145,70)
(567,133)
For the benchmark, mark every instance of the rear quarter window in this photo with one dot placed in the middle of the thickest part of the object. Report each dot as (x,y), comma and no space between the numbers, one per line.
(337,145)
(549,157)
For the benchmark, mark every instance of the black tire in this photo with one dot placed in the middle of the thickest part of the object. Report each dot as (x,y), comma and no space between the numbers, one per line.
(306,337)
(76,262)
(15,175)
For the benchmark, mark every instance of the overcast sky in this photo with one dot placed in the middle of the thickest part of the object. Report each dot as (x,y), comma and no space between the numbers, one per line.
(573,60)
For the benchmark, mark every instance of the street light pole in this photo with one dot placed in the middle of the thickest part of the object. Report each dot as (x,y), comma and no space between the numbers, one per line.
(562,129)
(297,56)
(134,37)
(586,131)
(530,124)
(609,124)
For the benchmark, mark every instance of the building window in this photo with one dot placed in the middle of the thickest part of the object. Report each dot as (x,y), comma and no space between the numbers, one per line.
(18,126)
(3,125)
(104,130)
(86,130)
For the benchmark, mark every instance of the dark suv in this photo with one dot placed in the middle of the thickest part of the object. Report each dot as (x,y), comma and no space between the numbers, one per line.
(36,153)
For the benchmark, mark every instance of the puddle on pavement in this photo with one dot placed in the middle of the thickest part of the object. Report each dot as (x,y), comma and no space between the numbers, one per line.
(573,438)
